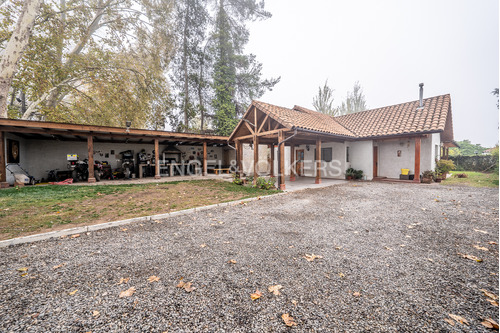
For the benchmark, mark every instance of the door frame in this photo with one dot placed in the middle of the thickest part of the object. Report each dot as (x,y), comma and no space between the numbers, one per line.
(297,169)
(375,161)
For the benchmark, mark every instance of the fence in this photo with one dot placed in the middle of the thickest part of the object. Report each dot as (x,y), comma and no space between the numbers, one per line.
(475,163)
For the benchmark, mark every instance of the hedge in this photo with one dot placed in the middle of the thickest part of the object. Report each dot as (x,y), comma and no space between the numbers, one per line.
(478,163)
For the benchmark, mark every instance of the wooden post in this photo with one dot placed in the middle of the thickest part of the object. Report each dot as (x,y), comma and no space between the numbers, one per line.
(272,160)
(205,162)
(255,158)
(416,178)
(292,163)
(3,169)
(239,157)
(318,161)
(281,170)
(90,146)
(157,159)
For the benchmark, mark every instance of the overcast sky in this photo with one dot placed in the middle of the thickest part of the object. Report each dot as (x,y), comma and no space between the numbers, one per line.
(389,47)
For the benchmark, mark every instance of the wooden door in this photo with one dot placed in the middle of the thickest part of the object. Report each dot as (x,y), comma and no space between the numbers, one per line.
(375,162)
(299,162)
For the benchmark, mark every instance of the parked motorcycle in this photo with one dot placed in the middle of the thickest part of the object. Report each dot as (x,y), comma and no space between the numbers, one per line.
(79,169)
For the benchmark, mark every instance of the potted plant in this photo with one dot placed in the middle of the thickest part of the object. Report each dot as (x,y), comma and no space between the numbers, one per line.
(350,174)
(427,176)
(358,174)
(443,167)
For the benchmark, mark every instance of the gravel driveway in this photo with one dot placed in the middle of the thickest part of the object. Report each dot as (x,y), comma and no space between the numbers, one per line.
(390,263)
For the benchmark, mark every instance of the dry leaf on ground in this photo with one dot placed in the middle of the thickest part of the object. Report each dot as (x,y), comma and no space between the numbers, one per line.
(58,266)
(188,287)
(341,275)
(471,257)
(356,294)
(232,261)
(493,243)
(95,313)
(126,293)
(488,294)
(481,231)
(490,323)
(312,257)
(275,289)
(75,236)
(123,280)
(492,301)
(387,248)
(203,245)
(256,295)
(153,278)
(23,269)
(480,248)
(73,292)
(449,321)
(288,320)
(459,319)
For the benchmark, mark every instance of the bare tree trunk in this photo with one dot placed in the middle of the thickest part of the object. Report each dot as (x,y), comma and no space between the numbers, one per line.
(15,49)
(185,69)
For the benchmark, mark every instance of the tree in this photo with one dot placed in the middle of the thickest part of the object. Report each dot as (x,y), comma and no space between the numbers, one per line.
(323,102)
(13,52)
(466,148)
(495,92)
(236,77)
(355,101)
(87,57)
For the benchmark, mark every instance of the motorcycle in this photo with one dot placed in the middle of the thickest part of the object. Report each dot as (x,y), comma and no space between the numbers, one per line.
(79,169)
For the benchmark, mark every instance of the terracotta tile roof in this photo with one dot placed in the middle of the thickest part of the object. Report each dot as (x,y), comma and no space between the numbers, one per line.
(303,118)
(397,119)
(402,118)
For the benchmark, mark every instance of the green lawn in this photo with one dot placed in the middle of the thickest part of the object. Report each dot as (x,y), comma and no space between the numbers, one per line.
(34,209)
(476,179)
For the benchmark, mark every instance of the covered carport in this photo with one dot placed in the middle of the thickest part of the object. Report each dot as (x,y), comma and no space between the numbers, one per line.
(32,144)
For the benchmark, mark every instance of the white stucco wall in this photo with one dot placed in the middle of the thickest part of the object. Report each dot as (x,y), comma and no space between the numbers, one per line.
(23,160)
(361,157)
(334,169)
(43,155)
(263,167)
(390,164)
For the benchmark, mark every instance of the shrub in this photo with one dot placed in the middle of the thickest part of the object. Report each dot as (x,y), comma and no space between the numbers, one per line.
(444,166)
(356,174)
(428,174)
(236,179)
(265,183)
(249,179)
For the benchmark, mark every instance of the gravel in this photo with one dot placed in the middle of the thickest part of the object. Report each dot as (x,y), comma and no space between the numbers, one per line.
(390,263)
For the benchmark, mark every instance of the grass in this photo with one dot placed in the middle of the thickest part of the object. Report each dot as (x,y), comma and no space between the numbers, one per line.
(475,179)
(34,209)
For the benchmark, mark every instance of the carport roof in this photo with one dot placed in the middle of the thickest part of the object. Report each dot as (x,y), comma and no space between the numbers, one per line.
(42,130)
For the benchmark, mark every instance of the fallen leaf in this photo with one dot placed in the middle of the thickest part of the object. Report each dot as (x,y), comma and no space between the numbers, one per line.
(312,257)
(95,313)
(288,320)
(492,301)
(356,294)
(488,294)
(480,248)
(493,243)
(153,278)
(387,248)
(338,247)
(75,236)
(123,229)
(203,245)
(58,266)
(73,292)
(123,280)
(430,259)
(126,293)
(275,289)
(481,231)
(459,319)
(471,257)
(490,323)
(449,321)
(341,275)
(294,302)
(23,269)
(256,295)
(188,287)
(232,261)
(24,274)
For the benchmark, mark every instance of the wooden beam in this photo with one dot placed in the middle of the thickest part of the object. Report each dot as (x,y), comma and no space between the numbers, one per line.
(318,161)
(3,169)
(416,178)
(272,132)
(90,147)
(239,158)
(157,159)
(263,122)
(205,162)
(255,119)
(281,171)
(292,162)
(255,158)
(272,159)
(249,128)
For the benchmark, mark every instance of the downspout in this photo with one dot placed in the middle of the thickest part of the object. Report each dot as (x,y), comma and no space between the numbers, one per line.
(279,157)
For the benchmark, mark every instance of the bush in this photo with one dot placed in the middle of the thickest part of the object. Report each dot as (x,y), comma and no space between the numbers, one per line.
(444,166)
(265,183)
(236,179)
(249,179)
(356,174)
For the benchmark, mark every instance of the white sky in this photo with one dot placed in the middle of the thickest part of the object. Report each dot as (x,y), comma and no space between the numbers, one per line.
(389,46)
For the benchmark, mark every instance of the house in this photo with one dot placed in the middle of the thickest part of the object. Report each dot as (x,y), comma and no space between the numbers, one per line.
(380,142)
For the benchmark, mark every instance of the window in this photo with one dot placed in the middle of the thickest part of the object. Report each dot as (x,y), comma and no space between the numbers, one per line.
(347,154)
(326,154)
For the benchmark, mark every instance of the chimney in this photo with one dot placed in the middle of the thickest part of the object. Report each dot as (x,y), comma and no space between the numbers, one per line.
(421,105)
